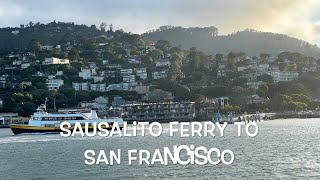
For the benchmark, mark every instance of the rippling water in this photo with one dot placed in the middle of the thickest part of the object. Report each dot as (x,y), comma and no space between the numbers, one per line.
(284,149)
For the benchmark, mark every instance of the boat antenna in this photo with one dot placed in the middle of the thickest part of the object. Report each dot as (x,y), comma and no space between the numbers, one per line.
(45,103)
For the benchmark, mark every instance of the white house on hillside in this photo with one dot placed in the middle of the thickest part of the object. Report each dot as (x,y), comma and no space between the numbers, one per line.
(285,76)
(87,73)
(162,62)
(81,86)
(141,72)
(54,83)
(53,60)
(98,87)
(160,74)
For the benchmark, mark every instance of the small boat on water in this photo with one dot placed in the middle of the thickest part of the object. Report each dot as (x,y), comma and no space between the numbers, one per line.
(43,122)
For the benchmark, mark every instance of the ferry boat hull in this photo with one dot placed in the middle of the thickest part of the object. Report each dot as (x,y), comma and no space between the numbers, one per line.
(23,129)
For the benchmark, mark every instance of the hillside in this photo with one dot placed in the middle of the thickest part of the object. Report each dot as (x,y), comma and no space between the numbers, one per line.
(51,33)
(72,65)
(250,41)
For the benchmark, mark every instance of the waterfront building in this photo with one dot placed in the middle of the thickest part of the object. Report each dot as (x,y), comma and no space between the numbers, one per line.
(159,112)
(7,118)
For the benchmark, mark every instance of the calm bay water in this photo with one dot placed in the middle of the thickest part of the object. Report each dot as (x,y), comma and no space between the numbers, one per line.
(284,149)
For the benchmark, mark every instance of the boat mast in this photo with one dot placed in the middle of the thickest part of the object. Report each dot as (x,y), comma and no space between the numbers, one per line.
(45,104)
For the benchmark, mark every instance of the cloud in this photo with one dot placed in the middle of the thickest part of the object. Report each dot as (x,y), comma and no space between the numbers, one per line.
(292,17)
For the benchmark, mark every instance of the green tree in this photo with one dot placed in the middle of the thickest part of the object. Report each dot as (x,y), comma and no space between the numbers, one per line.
(219,57)
(73,54)
(263,90)
(61,101)
(301,98)
(182,93)
(174,71)
(82,96)
(28,108)
(240,95)
(229,108)
(264,57)
(163,45)
(18,97)
(28,97)
(103,26)
(34,46)
(155,54)
(265,78)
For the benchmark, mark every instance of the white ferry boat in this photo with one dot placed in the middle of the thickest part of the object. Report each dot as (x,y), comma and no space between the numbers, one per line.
(43,122)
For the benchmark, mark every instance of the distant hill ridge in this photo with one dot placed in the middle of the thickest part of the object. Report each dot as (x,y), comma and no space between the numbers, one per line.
(249,41)
(51,33)
(204,38)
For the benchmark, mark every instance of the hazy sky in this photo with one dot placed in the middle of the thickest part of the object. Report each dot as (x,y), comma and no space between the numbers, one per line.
(298,18)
